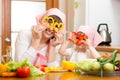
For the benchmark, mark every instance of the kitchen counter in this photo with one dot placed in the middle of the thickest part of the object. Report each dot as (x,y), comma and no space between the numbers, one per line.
(107,48)
(65,76)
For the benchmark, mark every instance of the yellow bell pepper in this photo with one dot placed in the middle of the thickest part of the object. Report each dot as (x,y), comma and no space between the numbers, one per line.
(47,69)
(3,68)
(68,65)
(58,27)
(46,19)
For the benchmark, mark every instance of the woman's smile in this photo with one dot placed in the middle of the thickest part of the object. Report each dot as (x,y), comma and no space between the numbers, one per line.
(48,33)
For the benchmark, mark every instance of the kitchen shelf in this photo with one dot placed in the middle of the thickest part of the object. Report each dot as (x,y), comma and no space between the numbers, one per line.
(107,48)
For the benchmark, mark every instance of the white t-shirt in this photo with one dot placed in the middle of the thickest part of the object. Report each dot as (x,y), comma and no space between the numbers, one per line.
(77,56)
(23,49)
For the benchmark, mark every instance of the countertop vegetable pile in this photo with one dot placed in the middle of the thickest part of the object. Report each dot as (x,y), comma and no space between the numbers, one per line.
(101,64)
(107,64)
(25,68)
(19,69)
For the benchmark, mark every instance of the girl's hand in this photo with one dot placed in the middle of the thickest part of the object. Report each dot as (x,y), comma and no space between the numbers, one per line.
(88,43)
(58,39)
(69,36)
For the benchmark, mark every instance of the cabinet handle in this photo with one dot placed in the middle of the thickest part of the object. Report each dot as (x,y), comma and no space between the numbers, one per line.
(7,40)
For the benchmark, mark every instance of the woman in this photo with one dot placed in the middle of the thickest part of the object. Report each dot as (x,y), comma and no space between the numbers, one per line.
(40,45)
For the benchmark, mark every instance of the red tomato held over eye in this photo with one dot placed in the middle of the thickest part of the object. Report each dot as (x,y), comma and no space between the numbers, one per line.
(23,71)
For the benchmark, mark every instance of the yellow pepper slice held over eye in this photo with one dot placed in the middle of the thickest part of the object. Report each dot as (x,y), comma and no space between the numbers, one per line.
(57,27)
(48,20)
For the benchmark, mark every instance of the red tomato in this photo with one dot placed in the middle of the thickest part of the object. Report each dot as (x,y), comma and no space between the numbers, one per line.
(104,56)
(44,65)
(41,67)
(38,67)
(23,71)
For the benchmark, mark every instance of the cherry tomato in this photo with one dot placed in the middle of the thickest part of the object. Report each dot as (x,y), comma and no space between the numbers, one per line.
(104,56)
(38,67)
(41,67)
(23,71)
(44,65)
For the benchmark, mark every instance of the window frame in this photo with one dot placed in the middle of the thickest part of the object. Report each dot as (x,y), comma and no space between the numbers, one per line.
(6,19)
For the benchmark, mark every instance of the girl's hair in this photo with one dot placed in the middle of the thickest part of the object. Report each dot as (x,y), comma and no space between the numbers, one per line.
(80,32)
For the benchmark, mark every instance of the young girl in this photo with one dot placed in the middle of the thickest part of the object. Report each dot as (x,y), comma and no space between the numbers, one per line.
(82,51)
(40,44)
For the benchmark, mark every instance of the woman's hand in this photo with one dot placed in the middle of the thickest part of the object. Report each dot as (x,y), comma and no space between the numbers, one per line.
(36,35)
(37,31)
(58,39)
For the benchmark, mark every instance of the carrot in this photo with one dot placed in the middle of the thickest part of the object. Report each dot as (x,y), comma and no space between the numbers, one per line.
(9,74)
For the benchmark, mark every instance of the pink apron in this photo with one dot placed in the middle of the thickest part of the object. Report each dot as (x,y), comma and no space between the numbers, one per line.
(40,60)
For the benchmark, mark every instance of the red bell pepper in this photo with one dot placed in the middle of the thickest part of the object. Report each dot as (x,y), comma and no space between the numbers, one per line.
(77,38)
